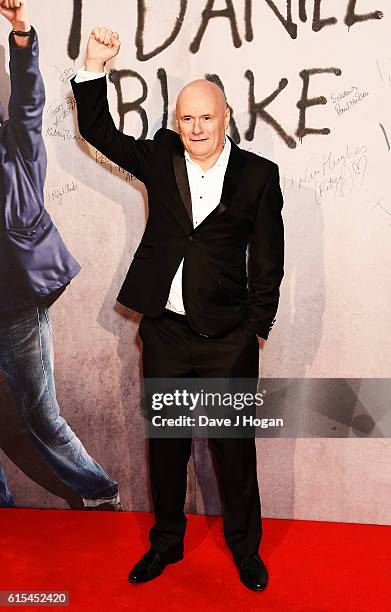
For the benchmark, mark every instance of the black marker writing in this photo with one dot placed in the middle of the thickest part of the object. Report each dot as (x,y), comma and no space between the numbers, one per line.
(302,11)
(105,161)
(75,33)
(141,14)
(318,23)
(162,76)
(258,109)
(306,102)
(57,193)
(248,7)
(287,22)
(385,136)
(209,13)
(352,17)
(123,108)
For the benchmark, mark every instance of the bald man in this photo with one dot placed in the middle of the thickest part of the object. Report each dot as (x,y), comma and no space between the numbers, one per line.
(203,316)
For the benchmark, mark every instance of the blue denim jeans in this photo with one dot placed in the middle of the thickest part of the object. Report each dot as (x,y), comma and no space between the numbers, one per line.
(26,359)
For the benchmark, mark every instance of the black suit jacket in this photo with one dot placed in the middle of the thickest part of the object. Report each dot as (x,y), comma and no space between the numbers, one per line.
(217,294)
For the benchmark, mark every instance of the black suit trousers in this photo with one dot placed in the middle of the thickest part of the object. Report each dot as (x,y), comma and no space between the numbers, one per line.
(172,349)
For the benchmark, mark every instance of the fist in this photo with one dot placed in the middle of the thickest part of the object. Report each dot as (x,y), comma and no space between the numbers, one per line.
(102,46)
(14,10)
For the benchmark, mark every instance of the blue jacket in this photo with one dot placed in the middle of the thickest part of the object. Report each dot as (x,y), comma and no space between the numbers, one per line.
(35,265)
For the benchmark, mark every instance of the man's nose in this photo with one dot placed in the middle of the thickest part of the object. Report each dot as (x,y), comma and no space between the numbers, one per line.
(197,126)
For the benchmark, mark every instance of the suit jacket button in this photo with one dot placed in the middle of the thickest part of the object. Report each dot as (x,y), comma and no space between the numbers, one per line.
(191,238)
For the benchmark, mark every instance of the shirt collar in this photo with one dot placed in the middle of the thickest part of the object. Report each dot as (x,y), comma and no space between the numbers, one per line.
(221,160)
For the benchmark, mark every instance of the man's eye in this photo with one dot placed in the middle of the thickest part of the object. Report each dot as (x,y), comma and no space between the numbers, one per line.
(186,119)
(207,118)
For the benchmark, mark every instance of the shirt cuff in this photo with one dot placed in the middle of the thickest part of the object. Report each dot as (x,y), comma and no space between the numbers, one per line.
(83,75)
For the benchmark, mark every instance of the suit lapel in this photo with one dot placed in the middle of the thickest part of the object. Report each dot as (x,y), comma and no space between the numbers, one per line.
(182,181)
(235,166)
(236,163)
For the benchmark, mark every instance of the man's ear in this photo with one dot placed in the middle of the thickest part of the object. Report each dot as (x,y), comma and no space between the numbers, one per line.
(227,116)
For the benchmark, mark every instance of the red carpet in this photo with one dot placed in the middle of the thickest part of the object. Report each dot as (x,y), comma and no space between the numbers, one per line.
(319,567)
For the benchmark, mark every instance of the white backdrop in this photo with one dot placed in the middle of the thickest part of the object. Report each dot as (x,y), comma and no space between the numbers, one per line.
(333,320)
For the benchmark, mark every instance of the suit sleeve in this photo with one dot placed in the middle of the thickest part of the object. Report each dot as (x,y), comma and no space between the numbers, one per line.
(27,99)
(266,259)
(96,125)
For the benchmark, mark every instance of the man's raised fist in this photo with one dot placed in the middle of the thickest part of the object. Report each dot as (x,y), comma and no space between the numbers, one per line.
(103,45)
(15,11)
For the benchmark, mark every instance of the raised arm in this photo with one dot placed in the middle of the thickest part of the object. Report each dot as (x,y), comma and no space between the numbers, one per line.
(96,124)
(27,89)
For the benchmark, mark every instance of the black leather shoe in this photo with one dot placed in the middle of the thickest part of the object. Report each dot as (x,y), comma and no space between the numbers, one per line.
(151,565)
(253,573)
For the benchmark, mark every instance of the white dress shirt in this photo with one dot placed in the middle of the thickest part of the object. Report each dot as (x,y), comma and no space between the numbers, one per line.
(205,189)
(85,75)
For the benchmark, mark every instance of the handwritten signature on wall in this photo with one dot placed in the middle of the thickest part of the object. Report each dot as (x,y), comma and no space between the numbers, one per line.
(332,174)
